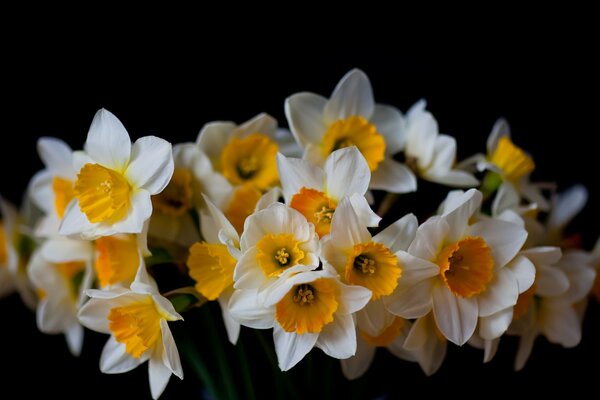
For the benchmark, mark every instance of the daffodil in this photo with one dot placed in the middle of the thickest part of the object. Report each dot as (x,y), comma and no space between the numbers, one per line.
(137,320)
(193,176)
(244,153)
(274,240)
(316,192)
(305,308)
(51,189)
(350,117)
(429,154)
(115,180)
(426,344)
(117,259)
(61,272)
(461,271)
(552,307)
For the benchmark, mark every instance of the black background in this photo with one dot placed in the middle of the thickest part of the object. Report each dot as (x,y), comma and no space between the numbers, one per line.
(547,91)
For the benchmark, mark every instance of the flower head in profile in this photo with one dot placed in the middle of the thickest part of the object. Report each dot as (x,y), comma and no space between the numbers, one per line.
(115,180)
(350,117)
(51,189)
(305,308)
(461,271)
(61,271)
(137,320)
(316,192)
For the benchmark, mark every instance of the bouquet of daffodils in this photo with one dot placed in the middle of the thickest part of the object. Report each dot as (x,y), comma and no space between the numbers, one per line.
(290,231)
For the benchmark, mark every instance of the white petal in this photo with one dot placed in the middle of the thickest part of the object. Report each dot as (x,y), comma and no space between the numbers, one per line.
(411,301)
(352,298)
(271,196)
(429,238)
(424,342)
(567,206)
(170,353)
(415,269)
(304,112)
(581,277)
(352,96)
(524,271)
(533,193)
(213,138)
(262,123)
(459,211)
(454,178)
(493,326)
(61,250)
(108,142)
(40,190)
(346,228)
(151,165)
(543,254)
(347,172)
(394,177)
(313,154)
(81,158)
(455,316)
(247,273)
(246,308)
(560,323)
(295,174)
(287,144)
(94,315)
(213,222)
(139,211)
(390,124)
(158,375)
(490,349)
(57,156)
(355,367)
(75,222)
(231,325)
(444,155)
(551,281)
(502,292)
(422,131)
(507,198)
(500,129)
(54,315)
(47,226)
(374,318)
(338,338)
(363,211)
(503,238)
(524,350)
(400,234)
(115,360)
(74,337)
(290,347)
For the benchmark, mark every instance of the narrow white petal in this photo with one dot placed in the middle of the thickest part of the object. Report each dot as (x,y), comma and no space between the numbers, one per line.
(502,292)
(151,165)
(108,142)
(231,325)
(74,337)
(551,281)
(213,138)
(262,123)
(422,131)
(453,178)
(364,212)
(158,375)
(62,250)
(493,326)
(338,338)
(394,177)
(290,347)
(347,172)
(247,273)
(40,190)
(139,211)
(115,360)
(490,349)
(459,211)
(75,222)
(390,124)
(400,234)
(525,348)
(503,238)
(354,367)
(507,198)
(170,354)
(560,324)
(295,174)
(429,238)
(567,205)
(346,228)
(352,298)
(246,308)
(524,271)
(411,301)
(304,112)
(57,156)
(500,129)
(214,222)
(352,96)
(455,316)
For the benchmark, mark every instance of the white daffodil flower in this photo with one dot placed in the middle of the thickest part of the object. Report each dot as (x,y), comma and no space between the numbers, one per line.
(115,180)
(305,308)
(350,117)
(13,272)
(193,176)
(274,239)
(61,271)
(428,153)
(136,318)
(316,192)
(426,344)
(460,270)
(553,306)
(51,189)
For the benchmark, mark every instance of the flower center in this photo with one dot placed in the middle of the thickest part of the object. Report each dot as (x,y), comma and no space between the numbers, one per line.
(466,267)
(63,194)
(512,160)
(524,302)
(117,259)
(136,325)
(355,131)
(211,266)
(308,307)
(176,199)
(251,159)
(103,194)
(373,266)
(317,207)
(242,204)
(278,252)
(3,246)
(386,336)
(72,272)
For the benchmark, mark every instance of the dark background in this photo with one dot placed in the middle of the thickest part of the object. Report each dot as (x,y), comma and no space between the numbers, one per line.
(548,92)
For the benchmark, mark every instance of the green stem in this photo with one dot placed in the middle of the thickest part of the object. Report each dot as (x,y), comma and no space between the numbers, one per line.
(246,375)
(191,354)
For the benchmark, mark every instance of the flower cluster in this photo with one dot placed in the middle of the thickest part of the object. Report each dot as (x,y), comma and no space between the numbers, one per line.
(279,227)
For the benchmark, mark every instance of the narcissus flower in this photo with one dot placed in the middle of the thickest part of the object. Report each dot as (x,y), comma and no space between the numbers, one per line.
(462,271)
(316,192)
(51,189)
(305,308)
(137,320)
(115,180)
(61,271)
(350,117)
